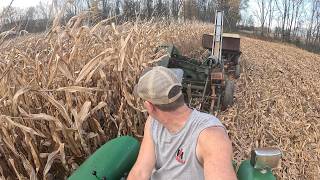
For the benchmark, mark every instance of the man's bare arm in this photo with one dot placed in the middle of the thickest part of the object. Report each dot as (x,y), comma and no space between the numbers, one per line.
(144,165)
(214,150)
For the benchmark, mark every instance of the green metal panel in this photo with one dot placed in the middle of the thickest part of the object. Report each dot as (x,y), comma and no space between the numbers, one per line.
(247,172)
(111,161)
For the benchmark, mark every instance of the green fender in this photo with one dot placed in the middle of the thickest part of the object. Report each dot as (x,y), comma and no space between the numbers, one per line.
(247,172)
(111,161)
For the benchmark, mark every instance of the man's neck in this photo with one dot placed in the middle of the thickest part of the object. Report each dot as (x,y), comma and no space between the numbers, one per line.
(174,121)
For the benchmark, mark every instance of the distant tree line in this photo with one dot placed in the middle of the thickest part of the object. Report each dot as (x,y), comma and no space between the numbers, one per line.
(39,18)
(296,21)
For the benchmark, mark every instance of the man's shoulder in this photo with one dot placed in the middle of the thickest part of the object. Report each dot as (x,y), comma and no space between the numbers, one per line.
(203,117)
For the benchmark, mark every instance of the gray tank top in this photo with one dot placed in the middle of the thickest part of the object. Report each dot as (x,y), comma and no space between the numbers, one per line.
(176,153)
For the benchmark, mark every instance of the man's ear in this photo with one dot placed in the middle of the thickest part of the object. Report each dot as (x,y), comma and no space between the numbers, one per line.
(149,106)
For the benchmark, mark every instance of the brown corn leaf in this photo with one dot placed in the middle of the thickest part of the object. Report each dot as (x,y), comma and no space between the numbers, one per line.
(65,71)
(91,65)
(99,106)
(22,127)
(89,76)
(84,112)
(34,151)
(123,50)
(8,142)
(16,98)
(59,106)
(52,156)
(27,165)
(20,177)
(78,125)
(73,89)
(41,116)
(53,71)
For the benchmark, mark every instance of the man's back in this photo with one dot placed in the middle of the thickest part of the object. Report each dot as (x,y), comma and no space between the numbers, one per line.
(176,153)
(198,146)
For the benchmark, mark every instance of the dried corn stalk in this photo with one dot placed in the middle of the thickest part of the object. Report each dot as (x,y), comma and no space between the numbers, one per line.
(64,94)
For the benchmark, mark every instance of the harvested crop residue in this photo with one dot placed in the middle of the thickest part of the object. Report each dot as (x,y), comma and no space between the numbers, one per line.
(278,105)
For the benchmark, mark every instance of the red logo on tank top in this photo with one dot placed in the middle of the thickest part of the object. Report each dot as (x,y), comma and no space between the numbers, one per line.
(179,156)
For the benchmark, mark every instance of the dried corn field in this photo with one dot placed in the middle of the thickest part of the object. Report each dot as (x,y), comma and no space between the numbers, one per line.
(64,94)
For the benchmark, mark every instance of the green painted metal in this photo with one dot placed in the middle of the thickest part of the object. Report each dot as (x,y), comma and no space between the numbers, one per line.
(247,172)
(111,161)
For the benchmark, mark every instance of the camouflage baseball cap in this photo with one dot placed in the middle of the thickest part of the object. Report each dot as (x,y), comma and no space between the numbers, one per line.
(155,84)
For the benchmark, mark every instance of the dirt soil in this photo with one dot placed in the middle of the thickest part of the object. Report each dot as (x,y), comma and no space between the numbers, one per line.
(278,105)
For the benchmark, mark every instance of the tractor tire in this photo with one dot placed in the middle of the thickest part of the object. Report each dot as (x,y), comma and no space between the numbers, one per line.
(237,61)
(237,72)
(228,94)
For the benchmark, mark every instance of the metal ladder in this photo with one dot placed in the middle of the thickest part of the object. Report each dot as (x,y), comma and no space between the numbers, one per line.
(217,38)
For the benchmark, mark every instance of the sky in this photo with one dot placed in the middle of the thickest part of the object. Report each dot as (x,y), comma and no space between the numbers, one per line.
(250,11)
(28,3)
(19,3)
(253,8)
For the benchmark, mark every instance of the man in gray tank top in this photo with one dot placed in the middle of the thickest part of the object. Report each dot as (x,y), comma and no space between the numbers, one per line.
(179,143)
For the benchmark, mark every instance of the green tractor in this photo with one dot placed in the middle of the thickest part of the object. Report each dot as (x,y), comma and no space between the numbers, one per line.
(114,160)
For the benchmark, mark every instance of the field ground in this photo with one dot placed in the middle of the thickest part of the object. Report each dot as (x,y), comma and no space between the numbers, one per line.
(278,104)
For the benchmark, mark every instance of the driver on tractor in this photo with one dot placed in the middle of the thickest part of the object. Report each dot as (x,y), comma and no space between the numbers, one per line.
(179,143)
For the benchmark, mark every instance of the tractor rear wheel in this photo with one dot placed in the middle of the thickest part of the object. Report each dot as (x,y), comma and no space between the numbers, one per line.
(228,94)
(237,61)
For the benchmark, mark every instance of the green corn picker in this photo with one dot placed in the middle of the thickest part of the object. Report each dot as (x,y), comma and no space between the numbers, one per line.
(208,85)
